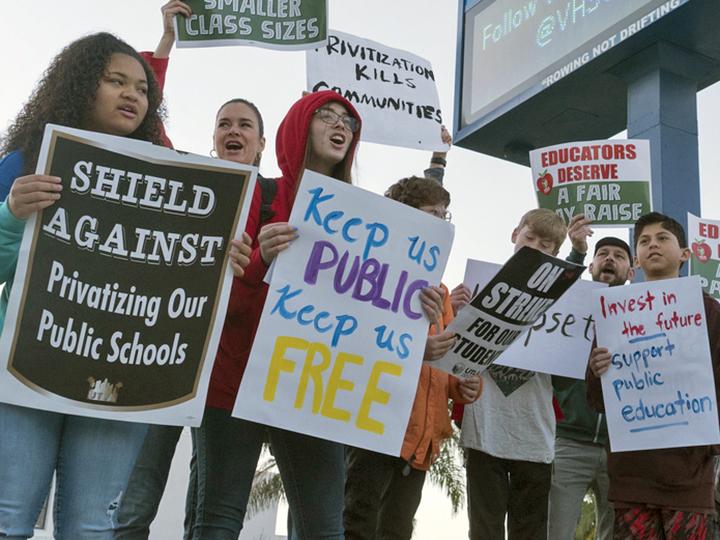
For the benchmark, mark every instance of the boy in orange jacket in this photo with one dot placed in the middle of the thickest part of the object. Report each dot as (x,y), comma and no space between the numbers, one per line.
(382,493)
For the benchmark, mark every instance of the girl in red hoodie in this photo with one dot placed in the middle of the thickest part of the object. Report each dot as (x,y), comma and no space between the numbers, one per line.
(320,132)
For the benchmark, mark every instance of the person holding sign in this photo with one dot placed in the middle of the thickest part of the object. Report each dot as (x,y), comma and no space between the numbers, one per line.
(320,132)
(96,83)
(147,483)
(580,455)
(664,493)
(382,492)
(509,432)
(239,136)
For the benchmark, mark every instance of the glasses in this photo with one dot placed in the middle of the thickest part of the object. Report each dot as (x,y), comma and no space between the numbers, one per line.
(331,118)
(437,211)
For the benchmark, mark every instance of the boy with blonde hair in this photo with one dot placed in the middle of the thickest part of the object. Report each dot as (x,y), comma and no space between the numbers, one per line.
(509,432)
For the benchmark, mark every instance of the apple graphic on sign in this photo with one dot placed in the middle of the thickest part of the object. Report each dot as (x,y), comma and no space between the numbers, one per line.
(545,182)
(701,250)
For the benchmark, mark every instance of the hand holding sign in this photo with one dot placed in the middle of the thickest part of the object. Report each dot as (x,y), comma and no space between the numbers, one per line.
(169,10)
(167,40)
(431,299)
(599,361)
(438,157)
(240,251)
(274,238)
(578,232)
(445,136)
(438,345)
(460,297)
(470,388)
(32,193)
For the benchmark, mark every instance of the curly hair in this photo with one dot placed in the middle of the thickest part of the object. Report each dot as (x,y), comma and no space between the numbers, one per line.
(67,91)
(417,191)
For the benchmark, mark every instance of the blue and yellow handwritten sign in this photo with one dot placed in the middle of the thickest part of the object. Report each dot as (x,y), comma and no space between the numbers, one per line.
(659,391)
(342,334)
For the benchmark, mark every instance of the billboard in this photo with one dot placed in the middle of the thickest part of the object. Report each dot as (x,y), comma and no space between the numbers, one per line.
(513,49)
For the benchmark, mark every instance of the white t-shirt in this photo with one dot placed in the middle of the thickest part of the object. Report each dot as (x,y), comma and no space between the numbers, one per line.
(520,426)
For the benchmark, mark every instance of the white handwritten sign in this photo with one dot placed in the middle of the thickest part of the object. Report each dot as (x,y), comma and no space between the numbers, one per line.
(342,334)
(393,90)
(659,391)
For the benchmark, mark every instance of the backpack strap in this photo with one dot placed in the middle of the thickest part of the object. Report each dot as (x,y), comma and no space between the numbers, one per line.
(268,188)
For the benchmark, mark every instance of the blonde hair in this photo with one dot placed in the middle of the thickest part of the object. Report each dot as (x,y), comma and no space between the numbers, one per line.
(546,224)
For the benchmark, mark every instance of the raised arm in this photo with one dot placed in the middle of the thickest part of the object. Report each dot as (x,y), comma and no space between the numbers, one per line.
(438,161)
(167,40)
(578,232)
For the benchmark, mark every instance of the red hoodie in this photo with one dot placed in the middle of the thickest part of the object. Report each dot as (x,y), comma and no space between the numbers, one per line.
(159,68)
(248,293)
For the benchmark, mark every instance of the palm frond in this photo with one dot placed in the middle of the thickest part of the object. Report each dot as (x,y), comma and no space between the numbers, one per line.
(267,488)
(448,473)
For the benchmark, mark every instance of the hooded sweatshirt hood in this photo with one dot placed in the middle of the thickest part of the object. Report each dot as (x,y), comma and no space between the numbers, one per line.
(292,135)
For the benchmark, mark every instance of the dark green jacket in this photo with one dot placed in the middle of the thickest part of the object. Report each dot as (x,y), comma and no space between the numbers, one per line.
(580,422)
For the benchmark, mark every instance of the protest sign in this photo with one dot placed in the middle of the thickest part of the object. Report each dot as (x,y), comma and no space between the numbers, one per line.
(659,391)
(608,180)
(704,239)
(272,24)
(558,342)
(393,90)
(527,285)
(342,335)
(122,285)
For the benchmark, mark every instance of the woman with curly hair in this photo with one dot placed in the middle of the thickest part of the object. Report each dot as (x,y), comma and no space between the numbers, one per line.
(97,83)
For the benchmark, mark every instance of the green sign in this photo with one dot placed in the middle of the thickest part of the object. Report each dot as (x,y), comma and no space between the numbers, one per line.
(273,24)
(704,243)
(607,181)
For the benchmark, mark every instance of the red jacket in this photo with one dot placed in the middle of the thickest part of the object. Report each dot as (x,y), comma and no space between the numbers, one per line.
(159,68)
(248,293)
